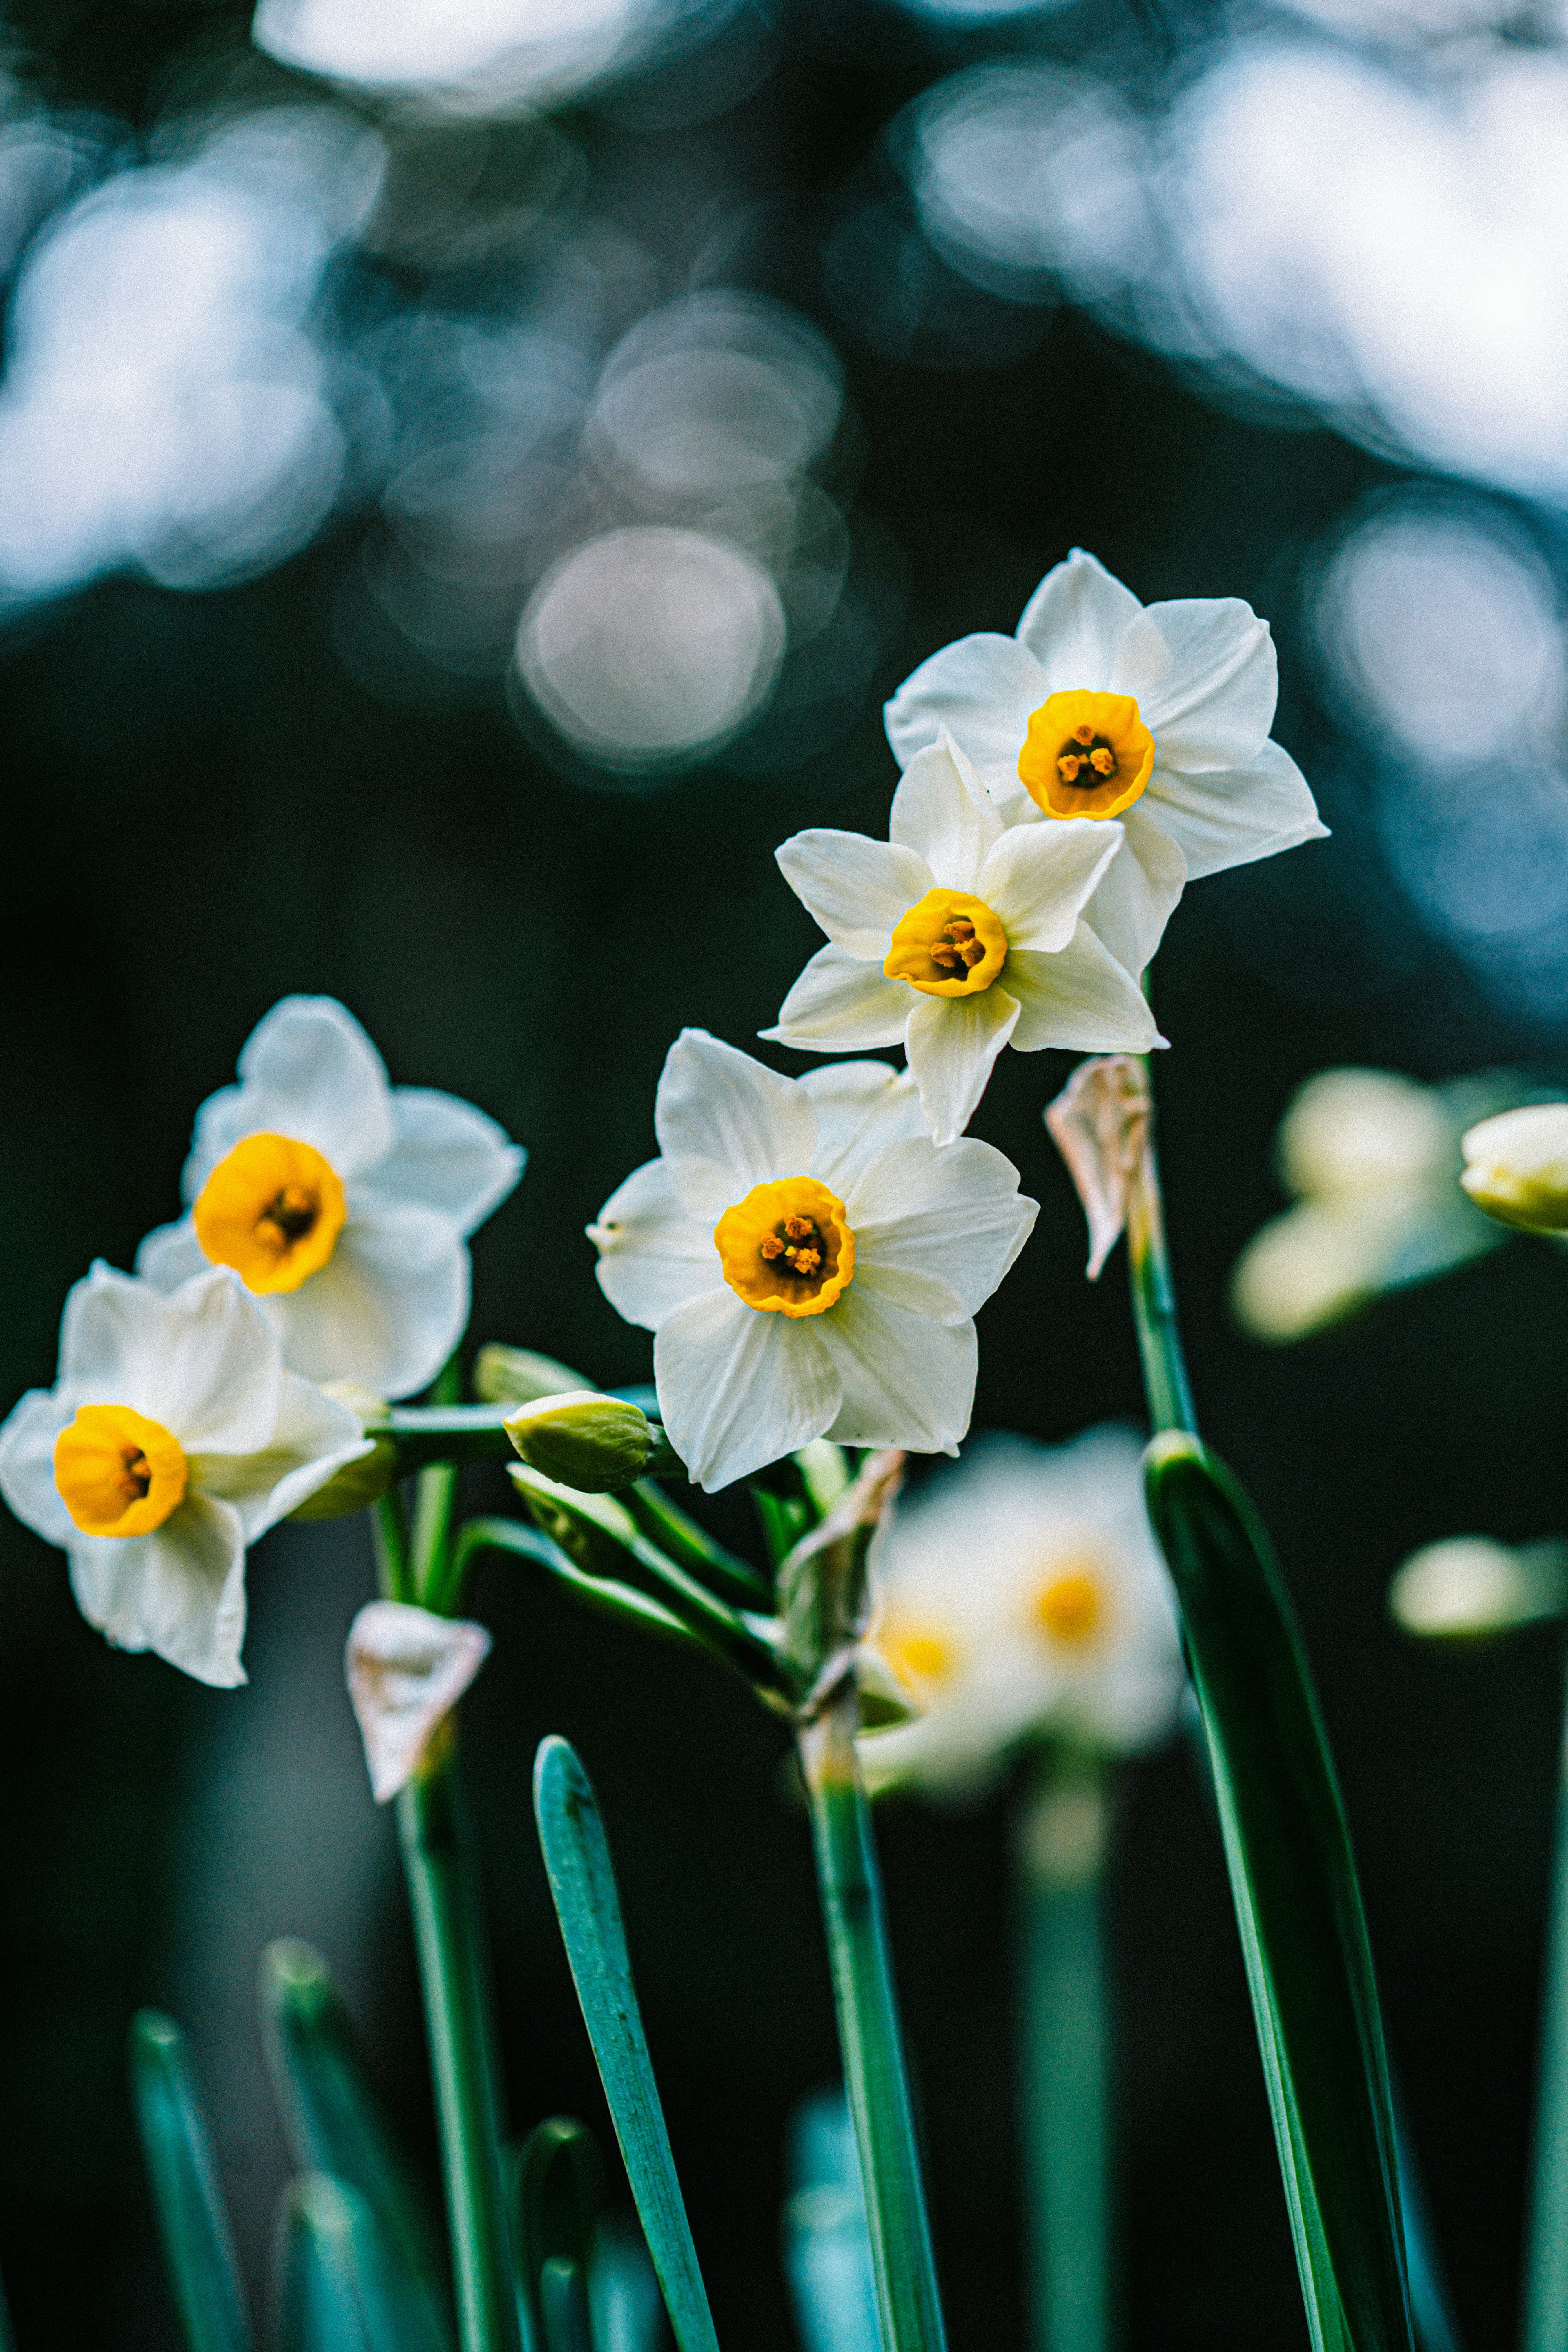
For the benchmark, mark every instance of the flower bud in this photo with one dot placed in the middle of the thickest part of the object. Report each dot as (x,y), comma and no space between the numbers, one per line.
(355,1486)
(595,1444)
(1515,1167)
(516,1375)
(1469,1586)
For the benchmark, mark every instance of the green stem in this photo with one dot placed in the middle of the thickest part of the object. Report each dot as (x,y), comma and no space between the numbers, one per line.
(1064,2017)
(869,2033)
(434,1500)
(453,1976)
(1546,2277)
(1165,1379)
(389,1533)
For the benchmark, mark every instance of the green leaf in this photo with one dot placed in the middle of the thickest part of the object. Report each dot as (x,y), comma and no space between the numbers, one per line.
(557,2188)
(329,2291)
(690,1545)
(1297,1905)
(334,2123)
(198,2248)
(583,1883)
(563,2300)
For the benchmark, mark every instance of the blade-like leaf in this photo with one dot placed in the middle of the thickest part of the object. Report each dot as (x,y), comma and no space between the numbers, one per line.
(334,2124)
(1303,1935)
(557,2187)
(329,2292)
(583,1883)
(563,2303)
(198,2247)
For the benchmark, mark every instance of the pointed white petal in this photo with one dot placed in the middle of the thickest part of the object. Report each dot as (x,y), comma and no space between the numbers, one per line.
(1038,877)
(725,1122)
(219,1367)
(906,1380)
(308,1070)
(406,1670)
(855,888)
(387,1308)
(839,1003)
(942,813)
(1081,998)
(313,1437)
(652,1258)
(448,1155)
(1098,1124)
(112,1341)
(1140,890)
(739,1388)
(180,1591)
(1074,623)
(952,1042)
(1206,679)
(861,1106)
(1229,816)
(170,1255)
(982,689)
(27,1465)
(936,1229)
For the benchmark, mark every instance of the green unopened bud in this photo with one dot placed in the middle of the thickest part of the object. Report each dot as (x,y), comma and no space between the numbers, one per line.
(516,1376)
(1515,1167)
(595,1533)
(595,1444)
(1471,1586)
(355,1486)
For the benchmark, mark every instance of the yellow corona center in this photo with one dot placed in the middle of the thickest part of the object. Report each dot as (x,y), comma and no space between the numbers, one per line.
(786,1248)
(273,1210)
(1071,1607)
(1085,754)
(118,1472)
(915,1653)
(950,944)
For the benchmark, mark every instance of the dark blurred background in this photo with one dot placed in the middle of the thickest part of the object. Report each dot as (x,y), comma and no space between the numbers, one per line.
(468,478)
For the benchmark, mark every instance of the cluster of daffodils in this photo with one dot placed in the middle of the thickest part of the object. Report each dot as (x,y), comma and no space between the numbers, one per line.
(325,1242)
(1021,1597)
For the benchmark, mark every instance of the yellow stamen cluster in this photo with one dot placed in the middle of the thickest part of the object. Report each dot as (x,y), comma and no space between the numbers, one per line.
(786,1248)
(796,1240)
(272,1209)
(949,944)
(956,948)
(118,1474)
(1085,754)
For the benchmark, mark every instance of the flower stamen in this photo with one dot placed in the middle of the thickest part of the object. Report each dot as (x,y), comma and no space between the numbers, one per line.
(117,1473)
(950,944)
(786,1248)
(272,1209)
(1086,755)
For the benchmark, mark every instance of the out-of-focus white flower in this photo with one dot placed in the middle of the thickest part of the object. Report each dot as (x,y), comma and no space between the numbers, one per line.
(1372,1158)
(1021,1596)
(171,1438)
(1100,708)
(343,1203)
(1515,1167)
(1469,1585)
(807,1258)
(954,936)
(406,1670)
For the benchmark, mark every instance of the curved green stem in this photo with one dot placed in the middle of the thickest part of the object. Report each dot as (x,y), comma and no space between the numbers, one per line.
(1165,1380)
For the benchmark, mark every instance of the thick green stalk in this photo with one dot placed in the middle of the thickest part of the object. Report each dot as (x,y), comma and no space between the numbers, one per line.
(1063,2020)
(1165,1380)
(1546,2275)
(869,2032)
(455,1981)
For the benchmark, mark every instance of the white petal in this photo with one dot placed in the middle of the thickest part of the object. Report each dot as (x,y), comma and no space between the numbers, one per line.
(942,813)
(1081,999)
(906,1380)
(1229,816)
(952,1042)
(27,1465)
(928,1222)
(982,689)
(313,1437)
(725,1122)
(739,1388)
(652,1255)
(387,1308)
(839,1003)
(855,888)
(1074,623)
(1140,890)
(1039,877)
(448,1155)
(406,1670)
(1206,679)
(861,1106)
(180,1591)
(308,1070)
(219,1367)
(112,1341)
(170,1255)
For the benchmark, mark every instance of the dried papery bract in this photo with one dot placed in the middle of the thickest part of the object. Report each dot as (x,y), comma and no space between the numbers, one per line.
(1100,1124)
(407,1671)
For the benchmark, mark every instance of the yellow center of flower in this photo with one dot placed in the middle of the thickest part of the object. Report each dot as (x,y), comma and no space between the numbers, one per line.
(118,1472)
(915,1653)
(273,1210)
(786,1248)
(1069,1607)
(950,944)
(1085,754)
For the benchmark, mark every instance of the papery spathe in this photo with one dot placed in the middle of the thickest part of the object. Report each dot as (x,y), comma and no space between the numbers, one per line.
(407,1669)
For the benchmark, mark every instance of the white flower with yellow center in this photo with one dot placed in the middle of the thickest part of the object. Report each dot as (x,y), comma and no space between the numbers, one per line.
(808,1260)
(956,936)
(171,1439)
(1021,1596)
(343,1203)
(1100,707)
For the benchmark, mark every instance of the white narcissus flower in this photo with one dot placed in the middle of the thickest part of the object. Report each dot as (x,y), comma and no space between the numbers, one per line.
(1022,1596)
(808,1260)
(407,1669)
(343,1203)
(955,936)
(171,1439)
(1100,707)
